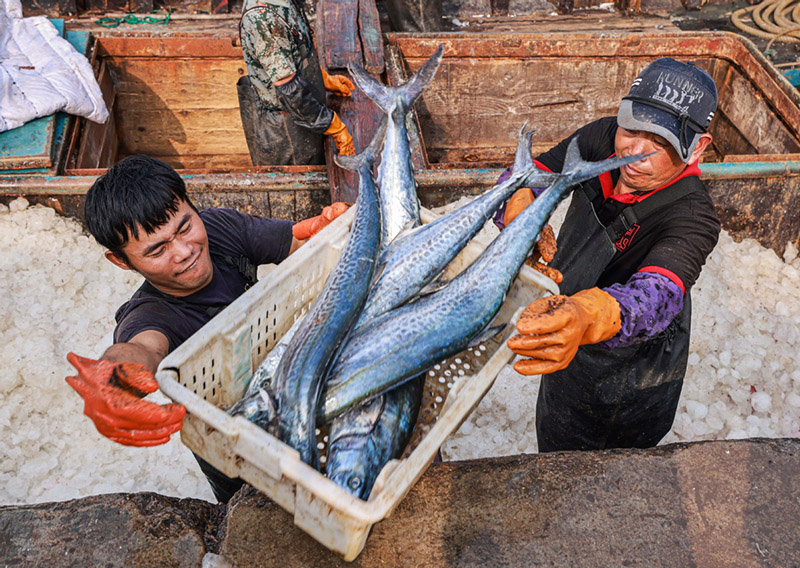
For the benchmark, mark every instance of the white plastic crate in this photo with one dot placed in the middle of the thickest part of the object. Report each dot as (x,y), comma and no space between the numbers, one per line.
(210,372)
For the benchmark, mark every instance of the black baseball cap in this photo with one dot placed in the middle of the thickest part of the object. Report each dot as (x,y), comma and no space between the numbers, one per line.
(673,99)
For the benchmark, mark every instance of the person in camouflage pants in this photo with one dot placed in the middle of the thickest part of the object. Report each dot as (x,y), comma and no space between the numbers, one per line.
(282,99)
(415,15)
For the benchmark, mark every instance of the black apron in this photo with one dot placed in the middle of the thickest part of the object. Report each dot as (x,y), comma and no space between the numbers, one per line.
(612,398)
(272,136)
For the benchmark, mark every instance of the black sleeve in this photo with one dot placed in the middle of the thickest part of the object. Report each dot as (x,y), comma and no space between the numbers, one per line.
(138,315)
(298,100)
(596,142)
(689,232)
(261,240)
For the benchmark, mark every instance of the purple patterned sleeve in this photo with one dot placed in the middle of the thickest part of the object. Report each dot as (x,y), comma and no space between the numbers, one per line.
(648,303)
(498,216)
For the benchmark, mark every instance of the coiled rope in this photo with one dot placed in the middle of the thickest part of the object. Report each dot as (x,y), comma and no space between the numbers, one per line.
(776,20)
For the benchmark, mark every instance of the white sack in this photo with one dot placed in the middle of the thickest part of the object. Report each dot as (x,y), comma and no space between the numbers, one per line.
(41,73)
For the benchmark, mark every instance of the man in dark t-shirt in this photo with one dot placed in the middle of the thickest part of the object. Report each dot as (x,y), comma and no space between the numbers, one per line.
(194,265)
(613,348)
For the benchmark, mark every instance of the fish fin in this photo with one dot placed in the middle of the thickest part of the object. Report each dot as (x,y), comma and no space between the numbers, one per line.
(523,159)
(572,159)
(578,170)
(539,178)
(385,96)
(485,335)
(408,229)
(368,156)
(434,286)
(410,91)
(267,399)
(359,420)
(382,95)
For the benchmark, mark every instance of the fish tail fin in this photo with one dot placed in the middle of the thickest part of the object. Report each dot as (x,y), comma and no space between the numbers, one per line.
(411,90)
(382,95)
(368,156)
(523,159)
(573,160)
(385,96)
(579,170)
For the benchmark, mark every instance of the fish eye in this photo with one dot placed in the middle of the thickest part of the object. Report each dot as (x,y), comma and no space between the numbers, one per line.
(354,483)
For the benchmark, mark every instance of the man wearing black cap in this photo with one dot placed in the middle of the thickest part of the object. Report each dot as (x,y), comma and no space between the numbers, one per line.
(613,349)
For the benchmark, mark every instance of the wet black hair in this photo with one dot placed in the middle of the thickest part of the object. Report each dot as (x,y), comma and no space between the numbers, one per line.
(138,191)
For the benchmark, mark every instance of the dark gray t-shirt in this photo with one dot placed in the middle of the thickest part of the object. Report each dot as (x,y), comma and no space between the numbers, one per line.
(230,233)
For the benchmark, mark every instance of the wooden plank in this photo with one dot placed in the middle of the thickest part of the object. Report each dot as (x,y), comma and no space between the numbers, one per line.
(369,30)
(49,7)
(29,145)
(214,44)
(95,137)
(337,33)
(176,82)
(362,117)
(206,162)
(728,139)
(192,131)
(756,121)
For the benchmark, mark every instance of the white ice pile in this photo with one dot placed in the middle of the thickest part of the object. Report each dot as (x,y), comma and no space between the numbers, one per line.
(59,294)
(742,378)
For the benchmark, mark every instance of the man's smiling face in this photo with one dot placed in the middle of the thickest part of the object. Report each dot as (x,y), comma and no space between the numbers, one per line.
(175,257)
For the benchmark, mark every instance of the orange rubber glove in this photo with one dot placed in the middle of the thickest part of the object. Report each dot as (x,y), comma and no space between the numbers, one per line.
(113,400)
(341,137)
(337,84)
(546,246)
(551,329)
(307,228)
(514,206)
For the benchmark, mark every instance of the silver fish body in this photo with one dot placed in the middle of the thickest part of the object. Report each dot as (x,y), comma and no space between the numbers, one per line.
(364,439)
(399,201)
(408,340)
(410,262)
(302,370)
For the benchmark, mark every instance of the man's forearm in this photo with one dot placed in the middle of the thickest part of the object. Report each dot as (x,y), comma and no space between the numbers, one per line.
(132,353)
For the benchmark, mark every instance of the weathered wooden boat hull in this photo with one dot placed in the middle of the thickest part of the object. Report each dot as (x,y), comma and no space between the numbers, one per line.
(173,96)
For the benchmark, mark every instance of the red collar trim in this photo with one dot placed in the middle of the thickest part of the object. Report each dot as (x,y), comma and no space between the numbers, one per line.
(690,170)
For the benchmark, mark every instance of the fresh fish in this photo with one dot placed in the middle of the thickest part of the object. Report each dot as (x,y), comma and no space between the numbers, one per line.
(302,370)
(409,339)
(258,402)
(399,201)
(413,260)
(364,439)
